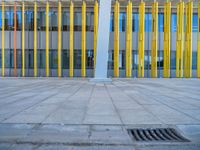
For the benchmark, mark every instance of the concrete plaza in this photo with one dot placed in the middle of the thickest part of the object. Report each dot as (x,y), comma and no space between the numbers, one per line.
(51,113)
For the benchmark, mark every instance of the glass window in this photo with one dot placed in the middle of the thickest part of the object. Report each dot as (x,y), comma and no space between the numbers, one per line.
(160,63)
(90,21)
(77,59)
(77,21)
(0,19)
(147,59)
(148,22)
(173,60)
(173,22)
(41,57)
(122,22)
(65,21)
(53,20)
(135,22)
(65,59)
(19,20)
(110,59)
(29,20)
(194,60)
(41,20)
(135,59)
(195,23)
(90,59)
(30,59)
(112,22)
(122,59)
(53,59)
(8,20)
(160,22)
(19,58)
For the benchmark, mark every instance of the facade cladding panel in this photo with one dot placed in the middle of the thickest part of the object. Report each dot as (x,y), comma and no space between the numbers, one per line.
(8,47)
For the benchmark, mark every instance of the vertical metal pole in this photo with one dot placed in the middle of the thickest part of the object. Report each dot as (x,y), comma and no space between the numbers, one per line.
(71,41)
(83,58)
(198,51)
(23,38)
(116,39)
(47,39)
(2,40)
(59,39)
(96,13)
(15,39)
(154,40)
(180,39)
(129,40)
(188,41)
(141,40)
(35,39)
(167,38)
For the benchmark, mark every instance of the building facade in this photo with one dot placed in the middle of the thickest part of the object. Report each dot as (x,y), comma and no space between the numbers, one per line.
(58,38)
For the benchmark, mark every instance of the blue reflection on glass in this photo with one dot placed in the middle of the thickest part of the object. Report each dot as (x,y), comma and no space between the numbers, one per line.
(160,22)
(173,22)
(135,22)
(122,22)
(195,23)
(148,22)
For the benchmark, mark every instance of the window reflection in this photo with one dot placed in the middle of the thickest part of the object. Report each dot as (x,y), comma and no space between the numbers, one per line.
(77,21)
(65,21)
(173,22)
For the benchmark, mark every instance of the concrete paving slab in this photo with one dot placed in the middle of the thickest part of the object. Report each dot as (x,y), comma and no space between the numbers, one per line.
(52,113)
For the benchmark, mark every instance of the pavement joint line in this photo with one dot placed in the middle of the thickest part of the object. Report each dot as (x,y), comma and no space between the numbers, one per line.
(171,106)
(63,102)
(114,104)
(16,113)
(132,98)
(88,101)
(92,143)
(168,105)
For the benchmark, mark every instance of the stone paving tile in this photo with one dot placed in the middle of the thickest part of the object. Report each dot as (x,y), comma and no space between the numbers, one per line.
(102,119)
(4,146)
(77,101)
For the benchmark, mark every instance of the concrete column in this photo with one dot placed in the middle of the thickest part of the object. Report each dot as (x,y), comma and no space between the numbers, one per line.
(103,41)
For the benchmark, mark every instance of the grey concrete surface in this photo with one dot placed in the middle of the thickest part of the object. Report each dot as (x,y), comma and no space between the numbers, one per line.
(52,113)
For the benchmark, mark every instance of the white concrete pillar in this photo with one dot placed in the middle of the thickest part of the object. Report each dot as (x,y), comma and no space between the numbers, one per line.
(103,41)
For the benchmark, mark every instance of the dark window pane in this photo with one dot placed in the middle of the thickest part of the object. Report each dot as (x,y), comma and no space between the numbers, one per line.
(31,59)
(135,22)
(77,21)
(65,59)
(19,20)
(112,22)
(29,19)
(173,60)
(122,22)
(53,59)
(77,59)
(194,60)
(53,20)
(65,21)
(19,58)
(90,21)
(110,59)
(90,59)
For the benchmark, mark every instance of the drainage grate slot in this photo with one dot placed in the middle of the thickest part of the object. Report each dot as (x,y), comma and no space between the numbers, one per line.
(156,135)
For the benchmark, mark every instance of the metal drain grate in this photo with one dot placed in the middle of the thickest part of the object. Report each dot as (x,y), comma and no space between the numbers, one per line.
(156,135)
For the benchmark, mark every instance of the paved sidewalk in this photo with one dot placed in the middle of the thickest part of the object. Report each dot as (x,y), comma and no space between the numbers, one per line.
(37,109)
